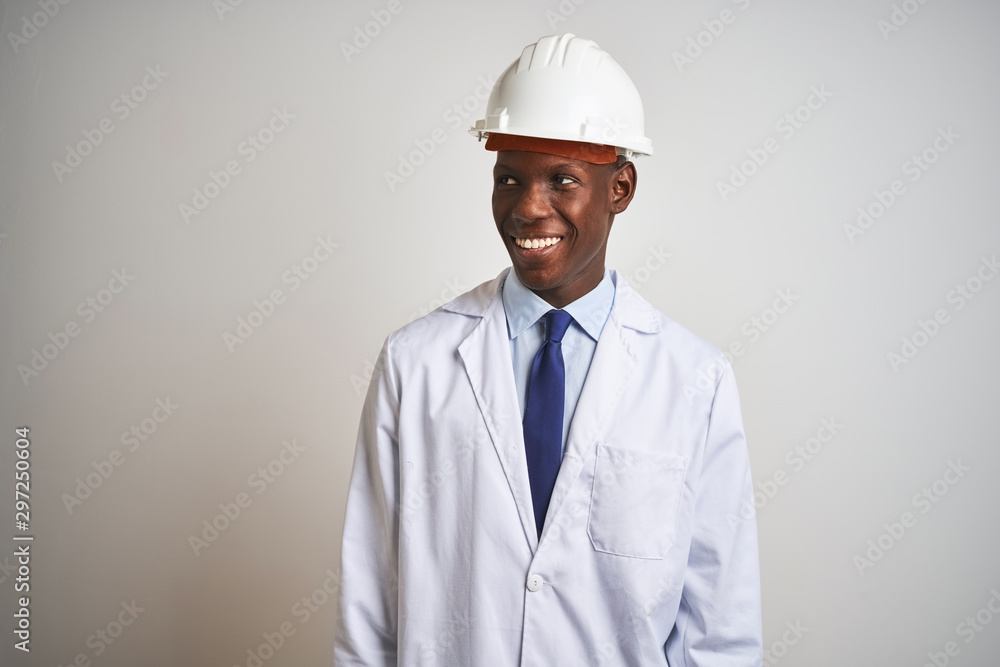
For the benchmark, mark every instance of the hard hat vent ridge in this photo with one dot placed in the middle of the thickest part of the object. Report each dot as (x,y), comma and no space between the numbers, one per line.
(567,51)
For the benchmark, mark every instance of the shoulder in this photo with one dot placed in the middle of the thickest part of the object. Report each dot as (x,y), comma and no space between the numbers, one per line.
(659,335)
(444,328)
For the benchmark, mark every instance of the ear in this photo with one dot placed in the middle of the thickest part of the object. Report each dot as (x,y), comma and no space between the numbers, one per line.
(622,184)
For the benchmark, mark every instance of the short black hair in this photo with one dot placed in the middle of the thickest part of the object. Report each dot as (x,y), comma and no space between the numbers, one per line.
(618,163)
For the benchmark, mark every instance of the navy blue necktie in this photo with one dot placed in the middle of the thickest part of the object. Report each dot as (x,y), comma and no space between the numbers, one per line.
(543,414)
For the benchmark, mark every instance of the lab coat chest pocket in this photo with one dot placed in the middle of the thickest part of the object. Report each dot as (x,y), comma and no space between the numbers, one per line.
(635,501)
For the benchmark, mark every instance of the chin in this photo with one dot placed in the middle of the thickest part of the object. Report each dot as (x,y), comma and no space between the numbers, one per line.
(536,280)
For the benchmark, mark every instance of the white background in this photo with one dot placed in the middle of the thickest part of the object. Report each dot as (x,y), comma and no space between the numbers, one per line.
(404,250)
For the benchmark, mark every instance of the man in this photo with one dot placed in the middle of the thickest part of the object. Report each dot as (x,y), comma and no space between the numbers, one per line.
(548,470)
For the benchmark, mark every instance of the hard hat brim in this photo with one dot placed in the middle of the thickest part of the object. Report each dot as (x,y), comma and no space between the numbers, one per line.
(577,150)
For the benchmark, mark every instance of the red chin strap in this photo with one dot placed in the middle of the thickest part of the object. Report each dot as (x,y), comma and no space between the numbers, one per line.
(578,150)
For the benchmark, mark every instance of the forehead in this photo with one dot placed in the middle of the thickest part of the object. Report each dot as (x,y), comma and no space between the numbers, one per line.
(532,161)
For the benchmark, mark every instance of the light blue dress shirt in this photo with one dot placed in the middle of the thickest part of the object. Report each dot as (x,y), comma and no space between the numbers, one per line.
(525,327)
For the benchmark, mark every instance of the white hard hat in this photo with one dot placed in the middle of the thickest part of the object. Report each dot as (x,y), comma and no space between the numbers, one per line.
(566,87)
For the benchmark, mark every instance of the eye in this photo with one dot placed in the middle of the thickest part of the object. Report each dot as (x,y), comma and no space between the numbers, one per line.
(506,180)
(565,180)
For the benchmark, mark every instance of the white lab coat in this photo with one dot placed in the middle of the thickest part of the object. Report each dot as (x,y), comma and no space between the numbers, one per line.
(649,550)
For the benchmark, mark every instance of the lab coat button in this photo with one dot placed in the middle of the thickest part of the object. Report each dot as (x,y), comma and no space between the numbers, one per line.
(535,583)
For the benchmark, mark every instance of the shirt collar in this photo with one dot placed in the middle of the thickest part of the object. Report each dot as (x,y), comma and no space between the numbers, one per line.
(524,307)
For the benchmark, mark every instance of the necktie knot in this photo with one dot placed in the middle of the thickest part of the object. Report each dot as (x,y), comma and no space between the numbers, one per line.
(556,323)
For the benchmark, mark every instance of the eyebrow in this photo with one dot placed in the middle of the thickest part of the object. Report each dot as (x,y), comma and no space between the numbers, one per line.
(555,167)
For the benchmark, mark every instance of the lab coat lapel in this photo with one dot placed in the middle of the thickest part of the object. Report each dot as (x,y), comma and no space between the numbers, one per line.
(614,362)
(486,355)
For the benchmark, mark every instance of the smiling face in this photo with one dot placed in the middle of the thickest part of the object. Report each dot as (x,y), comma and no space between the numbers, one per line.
(554,215)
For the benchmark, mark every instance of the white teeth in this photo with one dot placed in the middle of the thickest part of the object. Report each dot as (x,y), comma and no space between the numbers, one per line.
(537,243)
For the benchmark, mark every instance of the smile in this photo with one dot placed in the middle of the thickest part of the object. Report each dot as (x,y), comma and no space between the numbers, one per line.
(537,243)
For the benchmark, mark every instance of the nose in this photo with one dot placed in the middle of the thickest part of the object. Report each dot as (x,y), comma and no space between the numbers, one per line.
(531,204)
